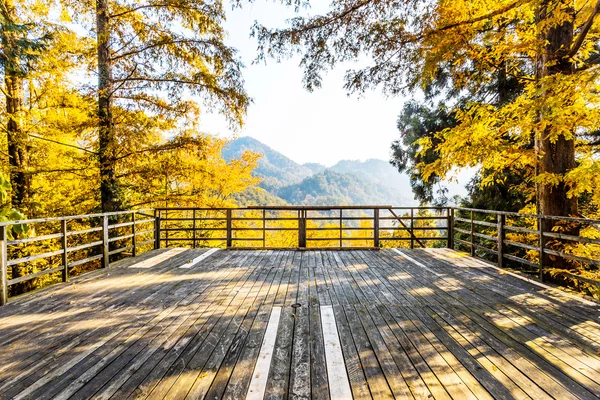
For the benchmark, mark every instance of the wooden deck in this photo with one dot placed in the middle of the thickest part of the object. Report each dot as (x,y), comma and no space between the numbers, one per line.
(300,324)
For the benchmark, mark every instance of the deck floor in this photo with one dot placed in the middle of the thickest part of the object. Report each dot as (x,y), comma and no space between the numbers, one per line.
(419,323)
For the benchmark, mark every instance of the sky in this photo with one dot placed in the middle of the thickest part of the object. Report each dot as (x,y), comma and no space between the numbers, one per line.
(324,126)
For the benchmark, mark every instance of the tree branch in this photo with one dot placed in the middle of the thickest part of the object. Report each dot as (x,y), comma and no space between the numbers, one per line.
(584,31)
(62,144)
(141,7)
(153,45)
(160,80)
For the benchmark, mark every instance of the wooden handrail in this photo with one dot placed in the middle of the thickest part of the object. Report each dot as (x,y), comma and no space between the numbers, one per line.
(104,238)
(467,238)
(78,240)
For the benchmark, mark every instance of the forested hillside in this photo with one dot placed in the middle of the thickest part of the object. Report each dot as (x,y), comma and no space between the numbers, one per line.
(377,170)
(348,182)
(329,187)
(274,169)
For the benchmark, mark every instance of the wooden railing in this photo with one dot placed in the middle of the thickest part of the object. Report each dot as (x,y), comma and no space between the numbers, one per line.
(522,241)
(39,252)
(55,248)
(303,227)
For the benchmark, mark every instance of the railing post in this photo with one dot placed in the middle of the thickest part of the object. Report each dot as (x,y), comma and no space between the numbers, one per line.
(341,231)
(229,230)
(194,228)
(376,227)
(65,253)
(156,230)
(542,244)
(264,226)
(472,236)
(501,236)
(133,238)
(450,227)
(105,255)
(3,266)
(301,229)
(412,231)
(167,226)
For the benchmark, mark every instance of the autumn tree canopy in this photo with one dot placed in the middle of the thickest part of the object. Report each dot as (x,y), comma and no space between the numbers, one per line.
(550,47)
(101,110)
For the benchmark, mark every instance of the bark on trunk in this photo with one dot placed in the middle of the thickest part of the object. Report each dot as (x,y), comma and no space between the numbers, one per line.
(18,154)
(555,156)
(107,138)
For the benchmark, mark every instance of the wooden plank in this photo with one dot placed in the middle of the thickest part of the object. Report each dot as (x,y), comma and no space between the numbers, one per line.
(434,328)
(300,376)
(127,379)
(391,372)
(413,382)
(375,377)
(339,388)
(258,384)
(457,380)
(240,377)
(166,363)
(407,360)
(358,381)
(198,259)
(48,328)
(238,347)
(134,300)
(578,327)
(214,376)
(158,259)
(279,374)
(318,368)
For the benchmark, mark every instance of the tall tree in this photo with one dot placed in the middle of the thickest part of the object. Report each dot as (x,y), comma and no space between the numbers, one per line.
(19,50)
(545,44)
(158,56)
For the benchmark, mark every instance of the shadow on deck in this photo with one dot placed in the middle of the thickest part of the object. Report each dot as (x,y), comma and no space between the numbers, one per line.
(177,324)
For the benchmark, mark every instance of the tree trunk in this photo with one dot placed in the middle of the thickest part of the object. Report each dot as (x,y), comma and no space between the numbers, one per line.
(18,154)
(107,138)
(555,156)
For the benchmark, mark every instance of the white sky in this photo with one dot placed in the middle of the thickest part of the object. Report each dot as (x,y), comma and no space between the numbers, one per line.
(324,126)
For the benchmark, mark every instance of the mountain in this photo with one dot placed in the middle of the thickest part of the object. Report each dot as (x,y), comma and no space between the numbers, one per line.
(377,170)
(372,182)
(274,169)
(315,167)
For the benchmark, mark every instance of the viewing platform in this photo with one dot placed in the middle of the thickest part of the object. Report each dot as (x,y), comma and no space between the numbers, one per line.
(299,323)
(177,324)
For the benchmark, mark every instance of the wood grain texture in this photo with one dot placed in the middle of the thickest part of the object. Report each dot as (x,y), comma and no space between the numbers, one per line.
(423,324)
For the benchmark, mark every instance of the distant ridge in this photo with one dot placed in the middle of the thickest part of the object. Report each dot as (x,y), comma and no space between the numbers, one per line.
(275,169)
(315,167)
(377,170)
(348,182)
